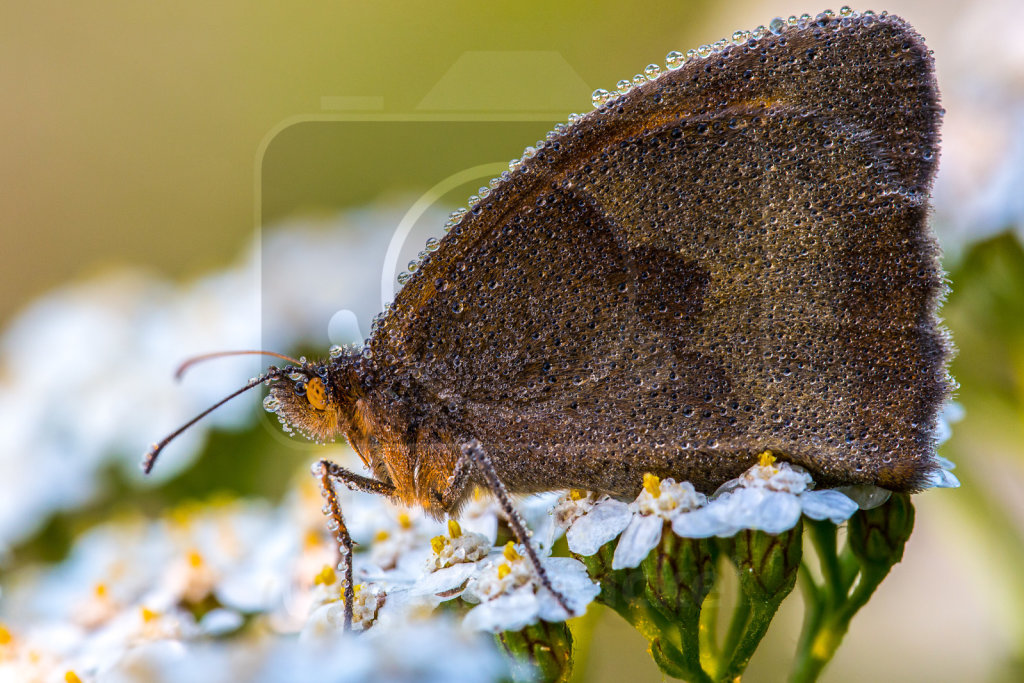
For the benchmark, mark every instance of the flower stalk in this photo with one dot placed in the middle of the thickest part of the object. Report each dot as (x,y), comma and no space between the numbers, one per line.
(875,542)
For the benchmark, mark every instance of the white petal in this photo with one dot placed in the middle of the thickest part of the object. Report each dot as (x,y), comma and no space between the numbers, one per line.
(220,621)
(535,511)
(944,463)
(605,521)
(702,523)
(828,504)
(486,524)
(444,580)
(758,508)
(941,479)
(510,612)
(639,538)
(569,577)
(953,411)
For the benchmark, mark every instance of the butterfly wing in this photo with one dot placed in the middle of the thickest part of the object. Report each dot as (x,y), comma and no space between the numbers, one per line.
(730,258)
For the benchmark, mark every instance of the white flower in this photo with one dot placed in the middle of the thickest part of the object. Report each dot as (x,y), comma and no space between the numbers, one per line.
(426,651)
(367,603)
(660,502)
(458,547)
(590,522)
(452,562)
(771,496)
(511,598)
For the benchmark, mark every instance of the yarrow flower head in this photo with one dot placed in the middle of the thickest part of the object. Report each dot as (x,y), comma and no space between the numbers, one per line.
(458,547)
(771,496)
(660,503)
(511,598)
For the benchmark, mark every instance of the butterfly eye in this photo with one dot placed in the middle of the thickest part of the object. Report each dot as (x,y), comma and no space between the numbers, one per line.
(316,393)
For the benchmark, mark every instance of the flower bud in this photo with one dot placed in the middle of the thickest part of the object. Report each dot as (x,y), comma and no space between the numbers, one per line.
(539,652)
(877,536)
(679,575)
(767,564)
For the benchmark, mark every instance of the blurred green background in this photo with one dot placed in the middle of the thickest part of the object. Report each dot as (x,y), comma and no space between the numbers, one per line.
(136,133)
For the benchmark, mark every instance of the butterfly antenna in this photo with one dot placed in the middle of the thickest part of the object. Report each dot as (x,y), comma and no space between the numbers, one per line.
(154,450)
(183,368)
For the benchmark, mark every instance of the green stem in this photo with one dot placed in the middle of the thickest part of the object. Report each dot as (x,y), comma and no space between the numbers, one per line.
(737,624)
(582,630)
(823,536)
(820,645)
(708,631)
(814,608)
(759,619)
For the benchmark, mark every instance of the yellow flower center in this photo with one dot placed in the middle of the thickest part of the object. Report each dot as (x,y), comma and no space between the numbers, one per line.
(437,544)
(326,577)
(766,459)
(652,484)
(454,530)
(510,552)
(504,570)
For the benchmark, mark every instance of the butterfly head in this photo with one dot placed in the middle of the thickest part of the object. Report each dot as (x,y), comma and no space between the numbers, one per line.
(313,399)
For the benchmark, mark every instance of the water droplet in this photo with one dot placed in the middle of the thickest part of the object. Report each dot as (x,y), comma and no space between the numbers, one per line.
(335,350)
(623,86)
(652,71)
(846,11)
(639,79)
(777,25)
(414,265)
(704,51)
(674,59)
(433,244)
(271,404)
(404,278)
(759,33)
(740,37)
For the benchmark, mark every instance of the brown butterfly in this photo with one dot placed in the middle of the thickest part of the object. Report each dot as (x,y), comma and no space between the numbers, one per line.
(731,258)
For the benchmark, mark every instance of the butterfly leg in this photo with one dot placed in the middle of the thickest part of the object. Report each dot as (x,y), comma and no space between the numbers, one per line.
(327,473)
(473,452)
